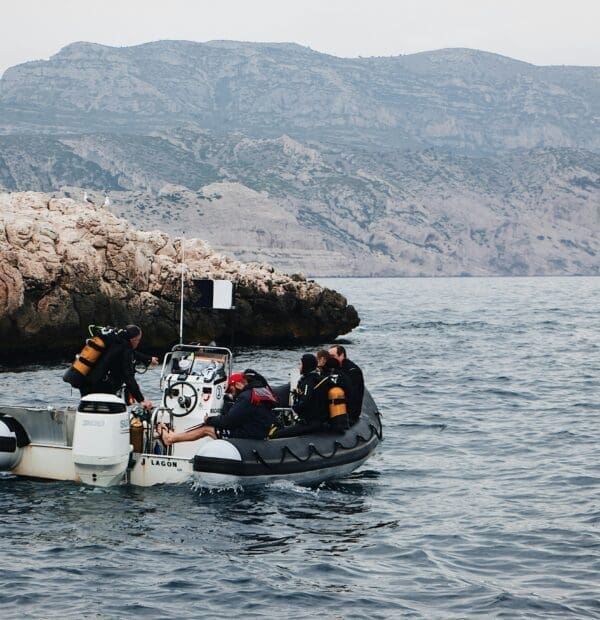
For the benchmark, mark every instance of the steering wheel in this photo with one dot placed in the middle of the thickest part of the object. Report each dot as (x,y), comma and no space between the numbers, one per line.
(185,394)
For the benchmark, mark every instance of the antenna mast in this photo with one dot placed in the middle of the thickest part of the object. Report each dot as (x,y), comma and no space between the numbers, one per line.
(181,300)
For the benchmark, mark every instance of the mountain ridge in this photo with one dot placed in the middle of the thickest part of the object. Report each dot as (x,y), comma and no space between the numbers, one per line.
(263,90)
(451,162)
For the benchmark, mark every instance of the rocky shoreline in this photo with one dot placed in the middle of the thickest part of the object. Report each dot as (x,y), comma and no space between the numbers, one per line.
(66,264)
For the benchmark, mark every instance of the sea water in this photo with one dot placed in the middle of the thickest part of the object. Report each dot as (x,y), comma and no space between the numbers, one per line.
(482,501)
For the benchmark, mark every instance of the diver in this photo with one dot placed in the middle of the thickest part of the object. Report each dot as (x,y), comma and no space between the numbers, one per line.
(356,390)
(116,367)
(309,401)
(250,417)
(322,357)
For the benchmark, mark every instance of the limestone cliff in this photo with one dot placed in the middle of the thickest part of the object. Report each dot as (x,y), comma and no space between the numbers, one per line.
(66,264)
(450,162)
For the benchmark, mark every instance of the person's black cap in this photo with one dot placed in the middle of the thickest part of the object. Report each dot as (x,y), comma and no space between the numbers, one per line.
(132,331)
(309,362)
(331,365)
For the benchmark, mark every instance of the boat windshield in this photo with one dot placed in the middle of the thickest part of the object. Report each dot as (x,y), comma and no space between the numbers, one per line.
(212,364)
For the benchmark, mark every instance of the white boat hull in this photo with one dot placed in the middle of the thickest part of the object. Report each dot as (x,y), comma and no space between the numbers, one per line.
(103,444)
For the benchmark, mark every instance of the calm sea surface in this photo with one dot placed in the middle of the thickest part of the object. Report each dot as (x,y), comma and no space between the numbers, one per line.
(483,500)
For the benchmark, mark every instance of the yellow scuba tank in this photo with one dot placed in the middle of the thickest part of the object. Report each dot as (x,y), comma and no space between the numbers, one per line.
(90,354)
(338,412)
(85,361)
(136,434)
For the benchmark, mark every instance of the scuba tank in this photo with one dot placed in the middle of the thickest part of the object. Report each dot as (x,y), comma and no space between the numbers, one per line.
(88,357)
(136,434)
(338,412)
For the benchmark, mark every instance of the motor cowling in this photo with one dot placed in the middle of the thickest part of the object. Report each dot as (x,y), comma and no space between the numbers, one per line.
(10,450)
(101,445)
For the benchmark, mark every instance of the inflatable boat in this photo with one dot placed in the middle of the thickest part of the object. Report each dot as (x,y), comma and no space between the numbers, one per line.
(103,442)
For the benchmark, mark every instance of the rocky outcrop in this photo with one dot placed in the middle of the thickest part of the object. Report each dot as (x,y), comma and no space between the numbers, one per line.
(66,264)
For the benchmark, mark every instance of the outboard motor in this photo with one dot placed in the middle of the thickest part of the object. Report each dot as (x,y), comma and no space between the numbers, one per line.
(101,440)
(10,446)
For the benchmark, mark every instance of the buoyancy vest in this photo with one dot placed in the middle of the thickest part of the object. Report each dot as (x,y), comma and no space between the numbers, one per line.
(263,396)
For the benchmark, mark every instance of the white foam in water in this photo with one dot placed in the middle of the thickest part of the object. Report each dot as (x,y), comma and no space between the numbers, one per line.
(202,489)
(288,485)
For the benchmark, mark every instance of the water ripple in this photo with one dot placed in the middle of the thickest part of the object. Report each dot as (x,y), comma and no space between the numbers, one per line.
(481,502)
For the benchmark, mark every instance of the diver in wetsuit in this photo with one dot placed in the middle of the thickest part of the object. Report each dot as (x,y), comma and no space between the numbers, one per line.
(309,401)
(117,367)
(250,416)
(356,389)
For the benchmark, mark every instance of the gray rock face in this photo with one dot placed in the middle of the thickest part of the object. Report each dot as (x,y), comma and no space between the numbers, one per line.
(324,211)
(454,98)
(442,163)
(64,265)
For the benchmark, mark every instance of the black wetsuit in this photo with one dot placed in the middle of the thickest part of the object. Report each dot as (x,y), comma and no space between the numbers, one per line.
(115,368)
(307,404)
(356,390)
(311,403)
(244,419)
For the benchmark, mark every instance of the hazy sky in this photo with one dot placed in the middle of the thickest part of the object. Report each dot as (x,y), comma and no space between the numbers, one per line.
(537,31)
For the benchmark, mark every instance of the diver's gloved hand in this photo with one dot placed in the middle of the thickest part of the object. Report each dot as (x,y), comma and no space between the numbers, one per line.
(147,404)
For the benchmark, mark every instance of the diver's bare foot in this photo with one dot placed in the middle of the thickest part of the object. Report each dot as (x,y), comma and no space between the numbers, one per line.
(164,434)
